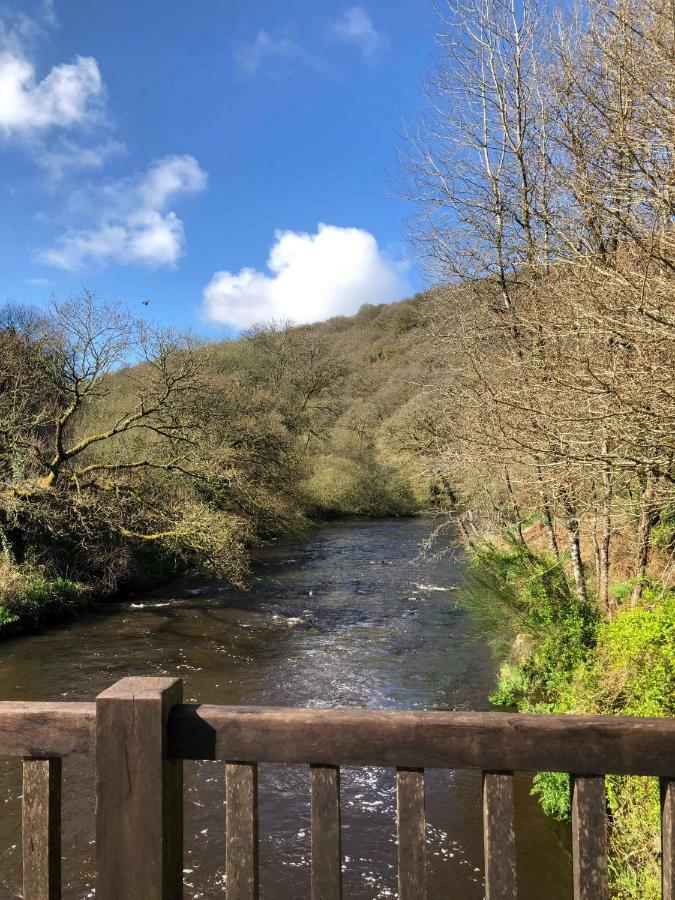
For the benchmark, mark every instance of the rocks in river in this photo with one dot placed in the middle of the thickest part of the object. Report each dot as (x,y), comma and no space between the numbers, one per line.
(289,621)
(435,587)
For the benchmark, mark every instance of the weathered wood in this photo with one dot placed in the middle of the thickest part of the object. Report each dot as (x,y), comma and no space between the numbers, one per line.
(411,834)
(489,740)
(241,831)
(326,836)
(499,836)
(668,838)
(139,803)
(46,729)
(41,829)
(589,838)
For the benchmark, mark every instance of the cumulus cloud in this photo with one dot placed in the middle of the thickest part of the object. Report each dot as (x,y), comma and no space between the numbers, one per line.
(69,94)
(132,222)
(38,111)
(356,27)
(311,277)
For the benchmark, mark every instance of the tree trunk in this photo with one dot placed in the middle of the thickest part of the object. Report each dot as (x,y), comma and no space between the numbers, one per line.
(574,541)
(516,509)
(644,532)
(547,517)
(6,545)
(606,604)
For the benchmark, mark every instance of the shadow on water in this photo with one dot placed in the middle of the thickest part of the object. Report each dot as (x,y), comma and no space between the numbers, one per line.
(352,616)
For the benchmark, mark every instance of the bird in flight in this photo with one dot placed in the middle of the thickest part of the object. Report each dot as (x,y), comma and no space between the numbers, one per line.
(145,302)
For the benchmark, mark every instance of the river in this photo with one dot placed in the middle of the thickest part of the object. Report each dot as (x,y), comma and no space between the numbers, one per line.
(353,615)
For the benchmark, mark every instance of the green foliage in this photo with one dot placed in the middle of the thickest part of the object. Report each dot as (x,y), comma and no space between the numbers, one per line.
(512,687)
(553,791)
(28,598)
(633,669)
(525,598)
(7,618)
(622,667)
(634,838)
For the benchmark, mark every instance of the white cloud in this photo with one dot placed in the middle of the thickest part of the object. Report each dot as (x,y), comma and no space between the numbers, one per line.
(250,55)
(312,277)
(58,158)
(132,221)
(69,94)
(356,27)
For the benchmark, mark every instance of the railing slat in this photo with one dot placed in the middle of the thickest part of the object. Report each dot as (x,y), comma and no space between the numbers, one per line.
(411,828)
(41,829)
(326,837)
(241,831)
(589,837)
(668,838)
(499,838)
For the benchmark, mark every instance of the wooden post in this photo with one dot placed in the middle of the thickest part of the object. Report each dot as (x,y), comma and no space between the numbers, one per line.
(499,837)
(326,837)
(241,831)
(139,802)
(41,829)
(411,833)
(668,838)
(589,838)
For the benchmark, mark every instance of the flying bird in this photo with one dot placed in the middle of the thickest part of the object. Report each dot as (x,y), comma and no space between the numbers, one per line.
(145,302)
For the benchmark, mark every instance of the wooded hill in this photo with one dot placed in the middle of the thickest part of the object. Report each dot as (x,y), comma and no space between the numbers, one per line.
(125,448)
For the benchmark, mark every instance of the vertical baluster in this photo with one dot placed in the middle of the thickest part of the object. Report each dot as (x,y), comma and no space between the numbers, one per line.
(668,838)
(411,822)
(589,837)
(326,839)
(241,831)
(499,837)
(41,829)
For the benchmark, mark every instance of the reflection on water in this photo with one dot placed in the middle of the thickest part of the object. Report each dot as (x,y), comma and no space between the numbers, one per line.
(352,616)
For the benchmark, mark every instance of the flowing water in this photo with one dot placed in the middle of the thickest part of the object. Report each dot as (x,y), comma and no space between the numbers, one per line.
(354,615)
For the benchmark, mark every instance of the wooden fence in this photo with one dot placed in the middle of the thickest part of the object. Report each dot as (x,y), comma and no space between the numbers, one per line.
(141,732)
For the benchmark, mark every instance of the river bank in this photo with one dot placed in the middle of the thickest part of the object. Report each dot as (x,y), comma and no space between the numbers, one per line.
(351,616)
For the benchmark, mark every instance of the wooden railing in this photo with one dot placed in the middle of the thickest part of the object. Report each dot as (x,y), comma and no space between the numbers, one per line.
(141,732)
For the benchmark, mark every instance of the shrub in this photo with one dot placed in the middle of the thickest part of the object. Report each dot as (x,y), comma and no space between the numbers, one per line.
(358,485)
(27,597)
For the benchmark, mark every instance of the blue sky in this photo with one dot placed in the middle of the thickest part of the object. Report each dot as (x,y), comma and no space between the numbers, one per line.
(228,161)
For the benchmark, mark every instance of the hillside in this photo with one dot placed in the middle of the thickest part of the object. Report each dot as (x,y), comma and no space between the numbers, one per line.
(128,453)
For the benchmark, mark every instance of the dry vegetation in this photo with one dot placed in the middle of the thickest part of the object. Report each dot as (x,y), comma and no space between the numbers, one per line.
(544,174)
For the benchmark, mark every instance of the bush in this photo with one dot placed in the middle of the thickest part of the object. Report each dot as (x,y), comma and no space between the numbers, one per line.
(358,485)
(28,598)
(524,600)
(622,667)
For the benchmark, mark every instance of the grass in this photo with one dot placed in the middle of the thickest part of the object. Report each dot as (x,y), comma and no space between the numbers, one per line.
(28,599)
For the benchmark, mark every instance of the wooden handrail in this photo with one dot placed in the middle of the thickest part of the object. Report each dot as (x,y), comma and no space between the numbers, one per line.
(141,732)
(591,745)
(46,729)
